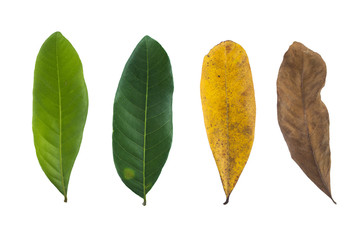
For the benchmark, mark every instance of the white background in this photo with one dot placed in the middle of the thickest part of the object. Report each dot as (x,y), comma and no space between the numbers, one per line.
(273,198)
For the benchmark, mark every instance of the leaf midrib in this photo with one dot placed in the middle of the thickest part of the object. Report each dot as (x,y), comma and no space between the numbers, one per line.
(308,131)
(60,117)
(146,103)
(227,119)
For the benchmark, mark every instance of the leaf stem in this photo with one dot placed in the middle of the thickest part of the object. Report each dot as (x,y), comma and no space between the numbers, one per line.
(227,200)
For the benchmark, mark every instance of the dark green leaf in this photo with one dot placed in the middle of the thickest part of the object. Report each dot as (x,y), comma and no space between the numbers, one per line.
(142,123)
(60,105)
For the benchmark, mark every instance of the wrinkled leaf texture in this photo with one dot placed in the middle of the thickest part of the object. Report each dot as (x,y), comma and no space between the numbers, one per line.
(302,116)
(60,105)
(142,120)
(228,102)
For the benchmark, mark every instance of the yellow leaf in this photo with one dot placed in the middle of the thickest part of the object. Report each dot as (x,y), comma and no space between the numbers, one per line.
(228,102)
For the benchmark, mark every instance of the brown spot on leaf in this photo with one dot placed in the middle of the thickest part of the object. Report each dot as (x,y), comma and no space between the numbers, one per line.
(228,48)
(247,130)
(247,92)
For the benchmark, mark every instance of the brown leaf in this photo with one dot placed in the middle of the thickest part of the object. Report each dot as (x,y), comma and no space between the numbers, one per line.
(302,116)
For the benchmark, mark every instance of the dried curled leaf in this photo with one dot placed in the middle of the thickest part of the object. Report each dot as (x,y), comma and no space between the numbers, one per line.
(228,102)
(302,116)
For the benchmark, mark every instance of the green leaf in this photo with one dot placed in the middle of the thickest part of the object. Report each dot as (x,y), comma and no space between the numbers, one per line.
(142,123)
(60,105)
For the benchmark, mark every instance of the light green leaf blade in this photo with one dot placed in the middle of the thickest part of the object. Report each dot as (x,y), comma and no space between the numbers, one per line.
(142,121)
(60,105)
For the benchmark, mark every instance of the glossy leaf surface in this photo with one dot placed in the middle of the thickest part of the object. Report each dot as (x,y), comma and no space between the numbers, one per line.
(60,105)
(142,121)
(228,102)
(302,116)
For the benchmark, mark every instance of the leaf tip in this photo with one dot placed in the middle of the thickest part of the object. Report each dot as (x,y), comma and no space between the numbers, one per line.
(57,33)
(297,45)
(147,37)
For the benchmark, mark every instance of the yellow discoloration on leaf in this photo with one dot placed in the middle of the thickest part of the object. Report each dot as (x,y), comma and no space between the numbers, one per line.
(228,102)
(129,173)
